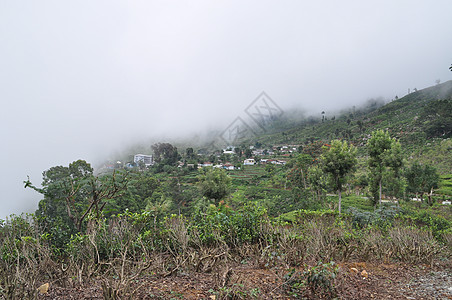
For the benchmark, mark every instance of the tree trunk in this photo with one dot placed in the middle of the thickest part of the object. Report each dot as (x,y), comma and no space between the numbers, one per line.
(380,193)
(340,200)
(430,200)
(304,181)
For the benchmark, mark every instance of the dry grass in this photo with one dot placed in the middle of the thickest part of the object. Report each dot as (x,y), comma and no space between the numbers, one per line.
(121,252)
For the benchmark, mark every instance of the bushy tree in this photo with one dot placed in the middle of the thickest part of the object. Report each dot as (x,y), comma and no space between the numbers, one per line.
(165,153)
(384,152)
(421,179)
(394,162)
(73,193)
(65,191)
(339,161)
(318,181)
(214,183)
(297,174)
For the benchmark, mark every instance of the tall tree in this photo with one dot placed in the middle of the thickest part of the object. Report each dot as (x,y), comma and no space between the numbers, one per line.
(297,175)
(394,161)
(381,155)
(165,153)
(318,182)
(339,161)
(189,153)
(73,193)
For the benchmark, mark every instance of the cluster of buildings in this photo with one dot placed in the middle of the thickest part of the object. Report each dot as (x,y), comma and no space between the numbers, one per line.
(246,162)
(226,166)
(282,150)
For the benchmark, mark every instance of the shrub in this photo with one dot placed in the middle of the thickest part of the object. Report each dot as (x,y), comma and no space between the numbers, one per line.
(318,281)
(414,245)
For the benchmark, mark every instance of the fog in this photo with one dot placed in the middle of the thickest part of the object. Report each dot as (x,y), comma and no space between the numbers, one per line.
(83,79)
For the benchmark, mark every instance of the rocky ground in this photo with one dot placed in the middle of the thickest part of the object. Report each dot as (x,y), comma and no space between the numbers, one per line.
(379,281)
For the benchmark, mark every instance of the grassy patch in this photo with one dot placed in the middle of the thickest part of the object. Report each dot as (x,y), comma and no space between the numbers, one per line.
(356,201)
(445,185)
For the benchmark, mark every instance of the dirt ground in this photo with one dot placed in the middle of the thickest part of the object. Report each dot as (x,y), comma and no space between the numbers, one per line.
(383,281)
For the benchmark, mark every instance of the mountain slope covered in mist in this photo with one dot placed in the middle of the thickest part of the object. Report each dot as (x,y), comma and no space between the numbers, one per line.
(421,120)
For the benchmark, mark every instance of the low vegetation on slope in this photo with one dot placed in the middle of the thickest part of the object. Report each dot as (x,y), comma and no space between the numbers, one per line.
(326,199)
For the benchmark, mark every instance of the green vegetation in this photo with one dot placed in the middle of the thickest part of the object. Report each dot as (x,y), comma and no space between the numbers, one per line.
(338,161)
(384,152)
(297,211)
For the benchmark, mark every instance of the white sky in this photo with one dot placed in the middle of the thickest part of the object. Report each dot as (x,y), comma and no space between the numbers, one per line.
(80,79)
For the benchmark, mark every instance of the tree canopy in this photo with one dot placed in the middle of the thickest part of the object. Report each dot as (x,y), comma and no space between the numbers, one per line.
(384,152)
(338,160)
(214,183)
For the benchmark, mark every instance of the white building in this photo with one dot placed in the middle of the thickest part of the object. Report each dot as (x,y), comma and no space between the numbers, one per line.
(249,162)
(146,159)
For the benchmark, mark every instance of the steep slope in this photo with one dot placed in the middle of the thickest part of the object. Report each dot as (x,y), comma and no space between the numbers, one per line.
(421,120)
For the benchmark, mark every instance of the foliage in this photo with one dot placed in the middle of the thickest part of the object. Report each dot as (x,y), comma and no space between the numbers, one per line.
(437,119)
(421,179)
(298,173)
(121,248)
(233,227)
(73,194)
(424,218)
(319,280)
(25,255)
(318,182)
(381,217)
(384,152)
(339,161)
(214,183)
(161,221)
(165,154)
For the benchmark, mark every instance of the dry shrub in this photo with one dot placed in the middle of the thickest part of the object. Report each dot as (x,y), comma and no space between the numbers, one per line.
(446,237)
(326,241)
(291,244)
(319,241)
(26,259)
(373,245)
(177,234)
(187,251)
(230,285)
(411,244)
(116,253)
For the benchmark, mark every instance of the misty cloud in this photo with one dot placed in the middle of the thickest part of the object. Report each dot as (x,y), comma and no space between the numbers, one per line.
(80,80)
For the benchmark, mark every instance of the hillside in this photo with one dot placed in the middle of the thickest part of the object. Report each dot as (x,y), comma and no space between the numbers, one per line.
(421,120)
(183,229)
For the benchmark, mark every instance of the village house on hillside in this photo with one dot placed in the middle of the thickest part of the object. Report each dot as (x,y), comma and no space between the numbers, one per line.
(146,159)
(249,162)
(228,166)
(205,164)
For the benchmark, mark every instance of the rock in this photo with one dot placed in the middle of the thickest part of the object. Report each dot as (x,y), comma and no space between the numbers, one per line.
(364,274)
(43,288)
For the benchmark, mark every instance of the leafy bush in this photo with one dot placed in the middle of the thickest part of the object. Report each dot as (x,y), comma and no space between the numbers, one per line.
(235,227)
(422,218)
(318,281)
(381,217)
